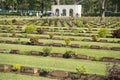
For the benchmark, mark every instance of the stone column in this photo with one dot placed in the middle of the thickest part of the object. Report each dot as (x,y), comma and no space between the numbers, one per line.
(67,12)
(60,12)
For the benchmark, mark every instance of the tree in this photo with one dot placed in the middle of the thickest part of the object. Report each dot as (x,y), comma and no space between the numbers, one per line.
(102,9)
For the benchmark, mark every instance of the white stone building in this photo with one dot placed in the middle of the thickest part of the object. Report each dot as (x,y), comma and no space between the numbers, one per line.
(67,10)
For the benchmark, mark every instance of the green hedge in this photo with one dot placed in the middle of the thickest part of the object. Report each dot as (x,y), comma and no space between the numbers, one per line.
(98,14)
(10,14)
(13,14)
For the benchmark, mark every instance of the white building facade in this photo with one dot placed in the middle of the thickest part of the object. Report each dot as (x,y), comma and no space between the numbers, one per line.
(67,10)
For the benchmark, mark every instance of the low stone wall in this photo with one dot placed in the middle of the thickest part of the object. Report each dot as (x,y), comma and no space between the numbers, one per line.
(57,74)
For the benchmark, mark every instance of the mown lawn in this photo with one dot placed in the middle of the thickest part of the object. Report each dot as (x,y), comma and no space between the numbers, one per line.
(75,37)
(93,67)
(89,52)
(62,41)
(11,76)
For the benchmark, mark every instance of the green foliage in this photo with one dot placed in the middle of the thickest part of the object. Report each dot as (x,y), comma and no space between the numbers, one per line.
(75,31)
(46,51)
(68,54)
(67,41)
(10,29)
(95,58)
(29,29)
(86,25)
(51,35)
(16,67)
(18,40)
(44,72)
(118,24)
(95,37)
(52,29)
(103,32)
(86,46)
(24,35)
(34,39)
(79,23)
(81,69)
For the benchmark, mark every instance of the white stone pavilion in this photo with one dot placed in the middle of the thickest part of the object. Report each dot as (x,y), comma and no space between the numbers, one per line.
(66,10)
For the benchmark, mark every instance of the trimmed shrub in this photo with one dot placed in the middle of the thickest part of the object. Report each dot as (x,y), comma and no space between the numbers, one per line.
(44,72)
(68,54)
(67,41)
(118,24)
(95,59)
(95,38)
(46,51)
(51,35)
(116,33)
(103,32)
(34,39)
(16,67)
(81,69)
(29,29)
(86,25)
(79,23)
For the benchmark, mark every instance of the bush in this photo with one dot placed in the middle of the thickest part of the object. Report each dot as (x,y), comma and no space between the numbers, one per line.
(29,29)
(79,23)
(118,24)
(44,72)
(67,41)
(10,14)
(87,25)
(95,38)
(34,39)
(103,32)
(68,54)
(46,51)
(113,72)
(16,67)
(95,59)
(86,46)
(116,33)
(81,69)
(51,35)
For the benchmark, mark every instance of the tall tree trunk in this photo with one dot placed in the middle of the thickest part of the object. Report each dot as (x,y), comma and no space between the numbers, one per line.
(103,10)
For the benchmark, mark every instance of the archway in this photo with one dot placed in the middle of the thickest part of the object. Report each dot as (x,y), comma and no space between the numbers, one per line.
(71,12)
(64,12)
(57,12)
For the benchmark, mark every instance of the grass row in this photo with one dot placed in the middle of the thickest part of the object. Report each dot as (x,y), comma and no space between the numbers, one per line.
(53,63)
(89,52)
(62,36)
(63,42)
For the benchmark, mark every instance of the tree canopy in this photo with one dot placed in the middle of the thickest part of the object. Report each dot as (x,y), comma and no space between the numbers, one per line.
(88,6)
